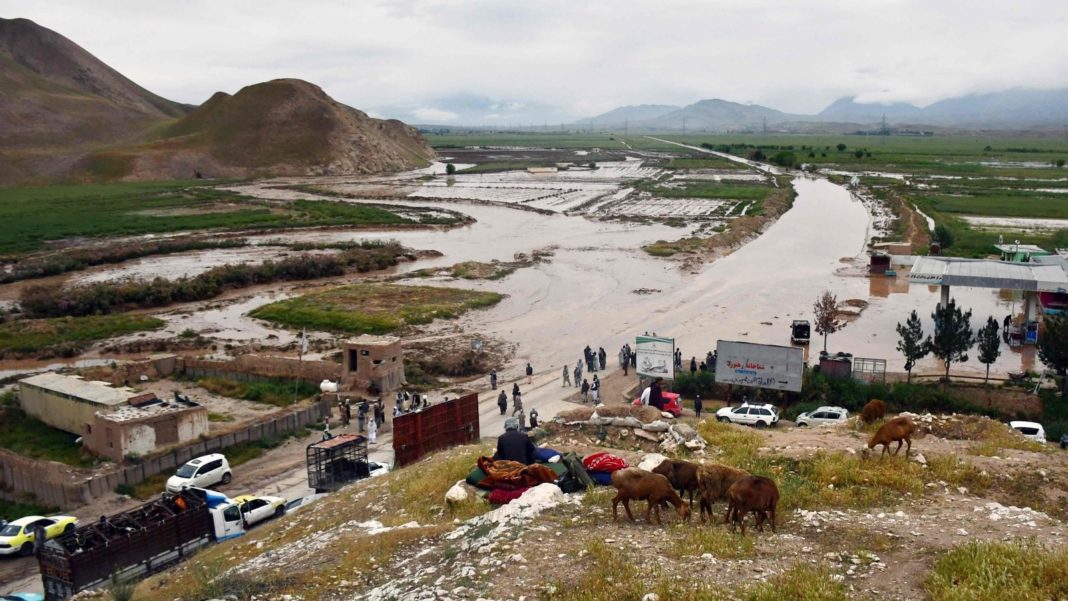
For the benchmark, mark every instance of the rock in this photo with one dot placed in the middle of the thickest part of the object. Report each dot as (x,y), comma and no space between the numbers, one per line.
(597,420)
(919,458)
(624,433)
(458,493)
(667,415)
(651,460)
(685,430)
(650,436)
(651,597)
(626,422)
(657,426)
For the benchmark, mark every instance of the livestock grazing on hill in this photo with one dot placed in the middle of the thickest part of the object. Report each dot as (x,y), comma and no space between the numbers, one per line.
(681,474)
(899,430)
(752,493)
(638,484)
(713,481)
(875,409)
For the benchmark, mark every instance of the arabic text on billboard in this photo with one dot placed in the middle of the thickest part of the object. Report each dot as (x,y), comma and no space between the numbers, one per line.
(759,365)
(656,357)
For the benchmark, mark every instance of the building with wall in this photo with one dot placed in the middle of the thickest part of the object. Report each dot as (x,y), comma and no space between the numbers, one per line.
(144,425)
(373,363)
(69,402)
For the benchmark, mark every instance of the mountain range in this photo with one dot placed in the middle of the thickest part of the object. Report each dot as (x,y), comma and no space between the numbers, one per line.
(67,116)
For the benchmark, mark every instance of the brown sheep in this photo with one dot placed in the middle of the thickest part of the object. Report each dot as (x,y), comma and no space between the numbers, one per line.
(899,429)
(635,483)
(714,480)
(681,474)
(875,409)
(752,493)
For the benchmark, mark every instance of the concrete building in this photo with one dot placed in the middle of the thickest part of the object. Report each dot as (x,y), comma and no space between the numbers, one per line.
(143,426)
(373,363)
(69,402)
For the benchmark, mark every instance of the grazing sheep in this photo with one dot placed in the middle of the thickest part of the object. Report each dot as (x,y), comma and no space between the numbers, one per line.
(681,474)
(752,493)
(875,409)
(899,429)
(635,483)
(713,480)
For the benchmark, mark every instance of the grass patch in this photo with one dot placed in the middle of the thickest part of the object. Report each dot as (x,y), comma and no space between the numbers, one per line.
(981,571)
(68,335)
(13,510)
(30,437)
(278,392)
(374,308)
(219,417)
(692,540)
(477,270)
(411,488)
(149,487)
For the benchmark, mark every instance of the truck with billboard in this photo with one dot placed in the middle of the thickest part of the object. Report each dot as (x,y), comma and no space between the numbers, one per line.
(138,542)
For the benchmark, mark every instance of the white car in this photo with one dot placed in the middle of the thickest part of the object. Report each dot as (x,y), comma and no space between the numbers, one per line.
(201,472)
(257,509)
(377,469)
(824,416)
(759,415)
(1031,430)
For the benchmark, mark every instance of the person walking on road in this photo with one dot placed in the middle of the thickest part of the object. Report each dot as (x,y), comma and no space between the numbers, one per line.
(493,379)
(567,377)
(530,374)
(585,391)
(372,431)
(517,401)
(502,401)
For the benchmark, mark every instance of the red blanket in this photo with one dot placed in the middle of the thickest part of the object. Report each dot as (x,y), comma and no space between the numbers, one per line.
(512,475)
(603,462)
(499,496)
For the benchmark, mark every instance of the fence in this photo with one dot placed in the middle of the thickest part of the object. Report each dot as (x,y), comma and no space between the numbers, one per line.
(248,368)
(55,484)
(441,426)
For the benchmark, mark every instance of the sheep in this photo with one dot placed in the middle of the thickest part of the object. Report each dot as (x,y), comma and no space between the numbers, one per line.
(681,474)
(752,493)
(713,480)
(875,409)
(635,483)
(899,429)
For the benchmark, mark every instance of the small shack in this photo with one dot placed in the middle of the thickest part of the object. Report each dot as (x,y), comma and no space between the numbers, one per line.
(837,365)
(1020,253)
(336,461)
(69,402)
(147,423)
(373,363)
(880,264)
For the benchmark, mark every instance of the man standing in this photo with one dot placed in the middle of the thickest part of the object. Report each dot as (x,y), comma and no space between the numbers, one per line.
(493,379)
(567,378)
(533,418)
(578,372)
(656,398)
(361,416)
(602,357)
(502,401)
(517,401)
(693,366)
(530,373)
(522,417)
(697,405)
(595,388)
(514,445)
(585,391)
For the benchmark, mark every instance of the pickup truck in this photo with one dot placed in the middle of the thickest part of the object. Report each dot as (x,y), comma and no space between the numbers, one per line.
(138,542)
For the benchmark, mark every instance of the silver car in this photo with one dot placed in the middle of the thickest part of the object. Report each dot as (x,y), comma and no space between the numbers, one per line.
(824,416)
(761,416)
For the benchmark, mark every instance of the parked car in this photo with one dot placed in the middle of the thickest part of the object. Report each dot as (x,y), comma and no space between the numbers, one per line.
(201,472)
(256,509)
(22,597)
(17,536)
(1032,430)
(824,416)
(671,403)
(759,415)
(377,469)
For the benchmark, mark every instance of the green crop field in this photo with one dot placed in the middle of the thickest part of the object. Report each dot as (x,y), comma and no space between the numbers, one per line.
(30,217)
(33,335)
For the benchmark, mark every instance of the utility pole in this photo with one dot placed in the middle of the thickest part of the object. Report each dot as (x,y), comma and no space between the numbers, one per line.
(626,128)
(765,125)
(591,126)
(684,126)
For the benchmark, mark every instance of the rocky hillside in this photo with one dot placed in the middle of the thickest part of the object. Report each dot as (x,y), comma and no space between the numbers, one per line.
(281,127)
(974,507)
(56,99)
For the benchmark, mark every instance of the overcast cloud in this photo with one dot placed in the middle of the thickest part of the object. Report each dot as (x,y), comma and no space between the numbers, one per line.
(560,60)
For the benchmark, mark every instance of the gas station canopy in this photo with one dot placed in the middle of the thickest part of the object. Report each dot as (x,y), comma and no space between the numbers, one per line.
(985,273)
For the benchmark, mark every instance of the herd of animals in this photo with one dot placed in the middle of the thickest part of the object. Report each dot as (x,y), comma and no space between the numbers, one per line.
(743,492)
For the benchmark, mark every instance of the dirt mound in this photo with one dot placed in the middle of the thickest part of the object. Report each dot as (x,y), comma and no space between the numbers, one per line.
(961,427)
(645,413)
(580,414)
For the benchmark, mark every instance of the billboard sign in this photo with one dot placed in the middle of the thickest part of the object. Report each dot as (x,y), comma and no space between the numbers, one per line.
(655,357)
(759,365)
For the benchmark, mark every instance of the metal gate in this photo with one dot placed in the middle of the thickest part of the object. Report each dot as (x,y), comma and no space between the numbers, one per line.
(441,426)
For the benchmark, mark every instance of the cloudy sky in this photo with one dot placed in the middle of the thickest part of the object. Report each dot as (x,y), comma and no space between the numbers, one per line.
(508,62)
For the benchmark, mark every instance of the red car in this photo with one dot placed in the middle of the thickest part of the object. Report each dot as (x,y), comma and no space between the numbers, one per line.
(671,403)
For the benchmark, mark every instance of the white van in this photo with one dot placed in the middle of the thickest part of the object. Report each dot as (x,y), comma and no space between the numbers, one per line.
(1032,430)
(201,472)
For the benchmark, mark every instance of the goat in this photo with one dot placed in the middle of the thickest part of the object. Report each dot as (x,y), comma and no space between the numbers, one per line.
(681,474)
(714,480)
(635,483)
(875,409)
(899,429)
(752,493)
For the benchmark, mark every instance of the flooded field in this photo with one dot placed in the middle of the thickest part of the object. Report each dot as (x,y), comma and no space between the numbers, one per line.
(1022,224)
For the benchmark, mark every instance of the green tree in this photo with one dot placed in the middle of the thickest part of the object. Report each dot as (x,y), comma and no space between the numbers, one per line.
(841,147)
(858,153)
(912,344)
(1053,348)
(757,155)
(784,158)
(450,169)
(989,344)
(944,236)
(1060,162)
(826,312)
(953,336)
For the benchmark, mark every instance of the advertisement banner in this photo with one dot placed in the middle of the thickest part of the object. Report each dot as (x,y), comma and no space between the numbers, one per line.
(656,357)
(759,365)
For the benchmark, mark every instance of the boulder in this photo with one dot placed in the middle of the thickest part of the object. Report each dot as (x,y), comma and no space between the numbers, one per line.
(651,460)
(657,426)
(597,420)
(626,422)
(458,493)
(650,436)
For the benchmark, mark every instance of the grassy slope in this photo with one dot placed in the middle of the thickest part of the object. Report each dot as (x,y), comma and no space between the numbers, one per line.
(33,335)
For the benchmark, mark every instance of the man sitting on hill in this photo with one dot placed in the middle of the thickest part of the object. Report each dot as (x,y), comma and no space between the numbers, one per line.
(514,445)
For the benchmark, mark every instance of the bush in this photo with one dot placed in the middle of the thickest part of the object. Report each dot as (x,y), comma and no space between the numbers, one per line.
(125,489)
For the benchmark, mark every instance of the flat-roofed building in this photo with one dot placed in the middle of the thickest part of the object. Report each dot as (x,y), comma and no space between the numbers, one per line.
(69,402)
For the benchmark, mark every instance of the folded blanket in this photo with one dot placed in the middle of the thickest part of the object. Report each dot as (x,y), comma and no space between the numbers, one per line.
(602,478)
(511,475)
(545,453)
(603,462)
(503,497)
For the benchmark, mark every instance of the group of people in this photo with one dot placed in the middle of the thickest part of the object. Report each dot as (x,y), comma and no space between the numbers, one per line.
(517,408)
(595,360)
(364,411)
